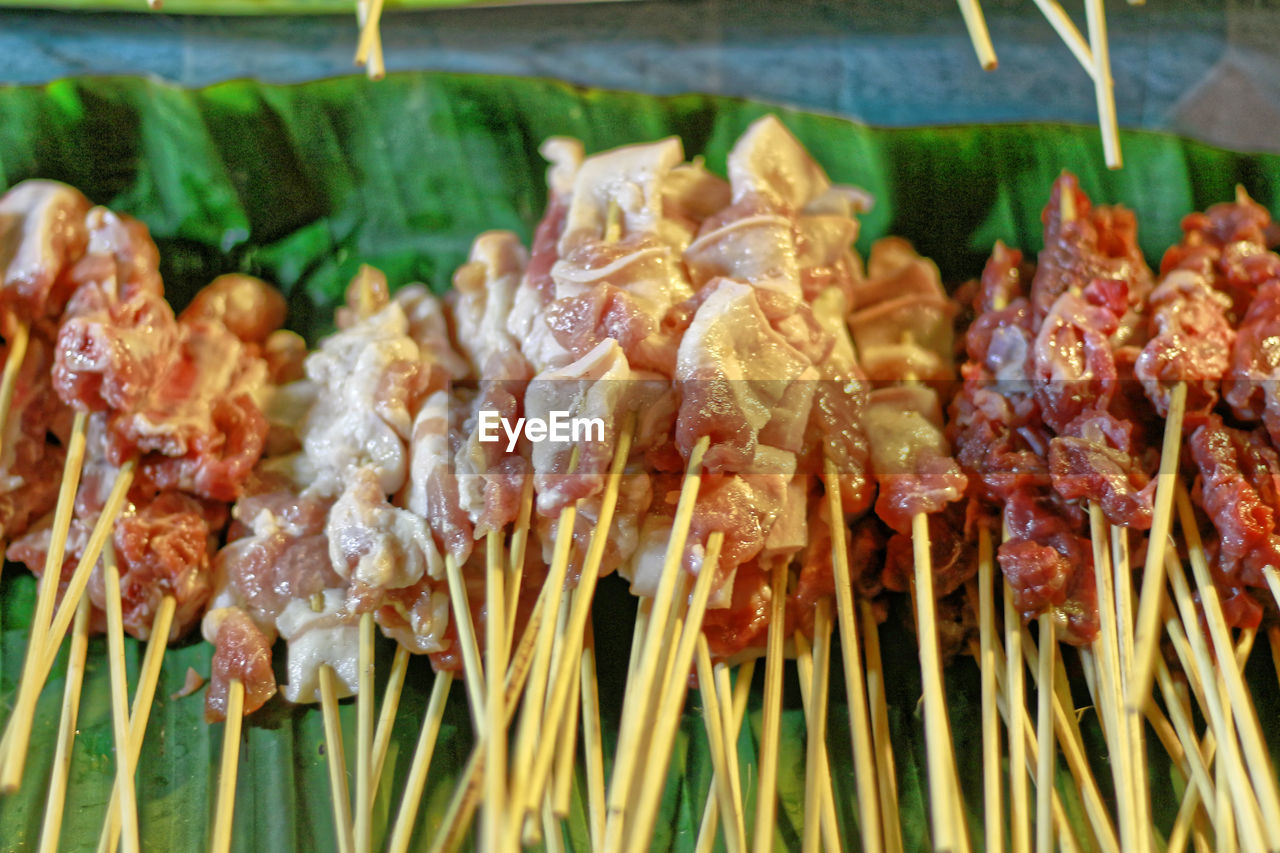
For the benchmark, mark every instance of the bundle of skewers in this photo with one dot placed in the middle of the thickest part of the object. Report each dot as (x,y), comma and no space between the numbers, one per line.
(695,383)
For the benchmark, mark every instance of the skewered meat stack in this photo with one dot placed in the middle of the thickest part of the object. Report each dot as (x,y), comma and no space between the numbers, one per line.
(743,423)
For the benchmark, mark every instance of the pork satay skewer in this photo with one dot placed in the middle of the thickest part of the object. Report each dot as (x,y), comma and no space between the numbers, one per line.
(854,679)
(56,798)
(733,705)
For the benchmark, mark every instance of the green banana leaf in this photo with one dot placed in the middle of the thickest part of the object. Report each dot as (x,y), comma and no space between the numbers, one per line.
(301,184)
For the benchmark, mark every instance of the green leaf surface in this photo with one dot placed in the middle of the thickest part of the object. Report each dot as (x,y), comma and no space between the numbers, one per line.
(301,184)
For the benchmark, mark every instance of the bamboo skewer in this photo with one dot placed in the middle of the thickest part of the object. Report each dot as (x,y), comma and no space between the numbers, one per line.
(140,713)
(561,676)
(1015,689)
(1072,744)
(364,737)
(1111,685)
(18,729)
(12,367)
(57,796)
(1255,751)
(119,701)
(387,714)
(592,741)
(467,793)
(515,566)
(337,760)
(473,672)
(1066,30)
(640,687)
(671,699)
(1016,718)
(812,665)
(993,818)
(224,811)
(733,705)
(886,771)
(1147,629)
(369,48)
(533,718)
(851,655)
(949,831)
(495,707)
(1242,794)
(766,799)
(713,720)
(976,24)
(417,779)
(1104,91)
(1044,736)
(566,751)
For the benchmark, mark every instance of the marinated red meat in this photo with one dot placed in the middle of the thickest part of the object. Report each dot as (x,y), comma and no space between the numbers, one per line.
(250,308)
(1239,473)
(1049,566)
(1252,384)
(42,234)
(910,456)
(1191,343)
(241,652)
(1098,243)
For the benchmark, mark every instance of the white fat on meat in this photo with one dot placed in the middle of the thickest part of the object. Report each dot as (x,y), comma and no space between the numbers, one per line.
(768,162)
(903,321)
(789,532)
(758,249)
(374,544)
(433,490)
(482,300)
(630,177)
(353,423)
(420,626)
(740,379)
(903,422)
(596,386)
(38,219)
(690,194)
(430,330)
(329,635)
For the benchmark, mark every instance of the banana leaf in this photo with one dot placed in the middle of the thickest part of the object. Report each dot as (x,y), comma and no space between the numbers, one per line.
(302,184)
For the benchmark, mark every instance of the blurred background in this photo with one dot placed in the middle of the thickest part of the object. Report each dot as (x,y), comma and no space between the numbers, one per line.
(1203,69)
